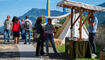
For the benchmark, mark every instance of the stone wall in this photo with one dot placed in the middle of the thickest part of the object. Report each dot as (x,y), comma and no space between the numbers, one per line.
(100,35)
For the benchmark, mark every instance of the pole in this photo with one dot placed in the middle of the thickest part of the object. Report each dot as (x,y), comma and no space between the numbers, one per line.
(80,31)
(71,21)
(47,9)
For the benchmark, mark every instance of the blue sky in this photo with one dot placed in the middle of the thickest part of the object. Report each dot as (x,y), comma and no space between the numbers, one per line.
(19,7)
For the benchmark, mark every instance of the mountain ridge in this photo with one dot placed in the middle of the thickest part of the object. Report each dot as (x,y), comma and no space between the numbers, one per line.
(35,12)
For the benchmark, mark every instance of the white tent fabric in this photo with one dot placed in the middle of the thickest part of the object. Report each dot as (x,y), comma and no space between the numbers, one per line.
(57,17)
(66,32)
(81,5)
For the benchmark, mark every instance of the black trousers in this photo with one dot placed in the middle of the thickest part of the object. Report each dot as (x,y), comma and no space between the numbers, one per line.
(92,41)
(40,48)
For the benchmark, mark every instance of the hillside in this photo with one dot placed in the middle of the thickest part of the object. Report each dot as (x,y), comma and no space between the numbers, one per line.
(34,13)
(101,15)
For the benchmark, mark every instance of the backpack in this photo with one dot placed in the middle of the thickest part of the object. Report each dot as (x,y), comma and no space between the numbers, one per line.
(27,25)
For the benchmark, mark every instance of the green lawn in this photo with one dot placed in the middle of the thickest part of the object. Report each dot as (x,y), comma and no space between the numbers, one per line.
(62,50)
(86,59)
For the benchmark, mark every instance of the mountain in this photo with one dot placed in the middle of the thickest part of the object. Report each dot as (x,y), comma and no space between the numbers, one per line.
(101,15)
(34,13)
(1,29)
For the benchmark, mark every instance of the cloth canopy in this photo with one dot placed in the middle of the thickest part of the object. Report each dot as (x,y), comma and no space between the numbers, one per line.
(58,17)
(78,5)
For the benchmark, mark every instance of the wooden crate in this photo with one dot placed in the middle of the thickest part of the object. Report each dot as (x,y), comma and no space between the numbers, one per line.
(57,42)
(102,55)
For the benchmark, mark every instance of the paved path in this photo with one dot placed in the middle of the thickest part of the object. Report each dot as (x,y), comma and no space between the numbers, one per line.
(27,52)
(21,51)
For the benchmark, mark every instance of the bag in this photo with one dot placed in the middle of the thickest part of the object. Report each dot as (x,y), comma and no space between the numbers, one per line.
(36,34)
(27,25)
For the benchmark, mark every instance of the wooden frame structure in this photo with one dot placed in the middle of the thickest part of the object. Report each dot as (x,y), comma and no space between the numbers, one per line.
(80,7)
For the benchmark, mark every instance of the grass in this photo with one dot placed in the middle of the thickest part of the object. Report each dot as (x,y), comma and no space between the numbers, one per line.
(62,50)
(86,59)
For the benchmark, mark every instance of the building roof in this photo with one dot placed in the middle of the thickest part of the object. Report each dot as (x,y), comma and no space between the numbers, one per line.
(78,5)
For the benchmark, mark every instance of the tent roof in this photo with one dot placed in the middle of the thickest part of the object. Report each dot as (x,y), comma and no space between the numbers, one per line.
(78,5)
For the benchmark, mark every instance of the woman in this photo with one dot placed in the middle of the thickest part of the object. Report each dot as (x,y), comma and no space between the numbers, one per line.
(16,29)
(40,38)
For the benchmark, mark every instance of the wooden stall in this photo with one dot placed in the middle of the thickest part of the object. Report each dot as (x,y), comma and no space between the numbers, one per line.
(78,48)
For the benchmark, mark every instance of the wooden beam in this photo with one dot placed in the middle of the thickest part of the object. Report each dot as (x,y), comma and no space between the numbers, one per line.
(71,21)
(75,7)
(86,19)
(80,31)
(75,21)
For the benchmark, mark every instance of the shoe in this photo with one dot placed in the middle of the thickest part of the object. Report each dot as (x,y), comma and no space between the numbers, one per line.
(8,41)
(93,55)
(4,42)
(29,43)
(40,56)
(41,53)
(25,43)
(46,54)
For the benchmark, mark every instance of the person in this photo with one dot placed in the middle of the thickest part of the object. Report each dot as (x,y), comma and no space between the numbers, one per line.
(93,22)
(27,27)
(22,29)
(16,29)
(40,40)
(49,35)
(7,29)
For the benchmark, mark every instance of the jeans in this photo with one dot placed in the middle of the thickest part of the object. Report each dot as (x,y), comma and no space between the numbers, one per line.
(40,48)
(92,41)
(28,36)
(23,33)
(6,35)
(50,37)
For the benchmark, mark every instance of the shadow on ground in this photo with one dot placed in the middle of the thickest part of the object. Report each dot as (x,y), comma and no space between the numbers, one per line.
(16,54)
(59,56)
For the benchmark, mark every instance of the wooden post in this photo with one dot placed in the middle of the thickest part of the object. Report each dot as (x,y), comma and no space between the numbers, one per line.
(86,18)
(71,21)
(80,31)
(76,20)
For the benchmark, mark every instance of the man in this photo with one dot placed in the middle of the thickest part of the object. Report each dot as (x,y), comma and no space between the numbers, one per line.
(22,29)
(49,35)
(7,29)
(93,22)
(27,27)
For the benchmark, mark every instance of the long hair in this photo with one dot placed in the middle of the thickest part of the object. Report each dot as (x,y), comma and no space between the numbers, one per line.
(14,19)
(39,20)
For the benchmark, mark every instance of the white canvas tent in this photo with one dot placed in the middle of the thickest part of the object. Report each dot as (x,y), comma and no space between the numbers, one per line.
(81,7)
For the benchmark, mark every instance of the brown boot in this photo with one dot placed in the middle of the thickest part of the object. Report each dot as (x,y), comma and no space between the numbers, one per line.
(16,40)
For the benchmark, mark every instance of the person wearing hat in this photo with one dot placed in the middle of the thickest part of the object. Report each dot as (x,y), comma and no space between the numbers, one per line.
(49,35)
